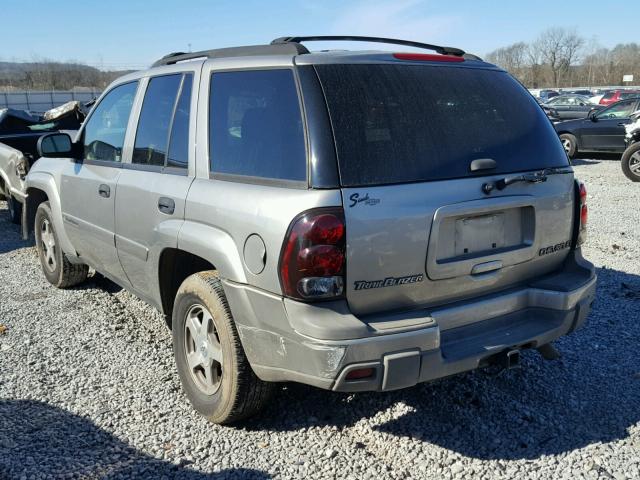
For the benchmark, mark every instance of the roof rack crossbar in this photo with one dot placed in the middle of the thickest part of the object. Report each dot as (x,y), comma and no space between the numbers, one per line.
(289,48)
(426,46)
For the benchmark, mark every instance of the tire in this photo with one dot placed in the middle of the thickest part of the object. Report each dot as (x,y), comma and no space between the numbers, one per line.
(15,209)
(570,144)
(631,162)
(231,391)
(58,270)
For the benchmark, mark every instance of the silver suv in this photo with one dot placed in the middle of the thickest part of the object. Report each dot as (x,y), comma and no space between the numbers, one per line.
(355,221)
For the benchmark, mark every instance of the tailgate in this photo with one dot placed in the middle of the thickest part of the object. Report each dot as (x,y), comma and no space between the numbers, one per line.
(431,243)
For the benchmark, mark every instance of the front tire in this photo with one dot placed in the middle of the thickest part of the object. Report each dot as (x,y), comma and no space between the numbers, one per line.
(570,144)
(631,162)
(214,371)
(57,269)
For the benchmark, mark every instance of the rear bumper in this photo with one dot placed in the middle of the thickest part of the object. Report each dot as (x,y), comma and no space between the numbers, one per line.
(290,341)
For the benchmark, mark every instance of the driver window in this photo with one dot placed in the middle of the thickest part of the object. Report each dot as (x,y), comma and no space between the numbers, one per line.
(105,130)
(619,110)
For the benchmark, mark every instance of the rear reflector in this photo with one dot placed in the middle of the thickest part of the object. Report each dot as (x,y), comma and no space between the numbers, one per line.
(361,373)
(427,57)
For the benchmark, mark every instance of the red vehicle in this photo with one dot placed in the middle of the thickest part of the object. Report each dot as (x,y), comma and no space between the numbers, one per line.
(616,95)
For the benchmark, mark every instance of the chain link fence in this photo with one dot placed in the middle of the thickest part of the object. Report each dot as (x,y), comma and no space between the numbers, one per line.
(41,101)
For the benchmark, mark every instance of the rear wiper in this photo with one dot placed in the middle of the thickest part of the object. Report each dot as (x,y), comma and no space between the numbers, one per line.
(535,177)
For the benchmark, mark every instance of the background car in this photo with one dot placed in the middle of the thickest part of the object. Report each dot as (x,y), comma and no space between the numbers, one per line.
(566,107)
(584,92)
(614,96)
(546,95)
(602,131)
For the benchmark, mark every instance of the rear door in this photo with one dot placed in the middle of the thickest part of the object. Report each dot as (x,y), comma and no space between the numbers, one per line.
(411,141)
(152,189)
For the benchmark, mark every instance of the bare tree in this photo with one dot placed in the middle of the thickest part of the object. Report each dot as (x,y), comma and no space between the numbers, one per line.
(560,49)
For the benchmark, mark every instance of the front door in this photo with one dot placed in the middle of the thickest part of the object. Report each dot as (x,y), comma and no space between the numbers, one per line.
(607,132)
(88,189)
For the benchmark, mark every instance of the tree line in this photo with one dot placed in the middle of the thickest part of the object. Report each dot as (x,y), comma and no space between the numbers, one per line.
(51,75)
(559,57)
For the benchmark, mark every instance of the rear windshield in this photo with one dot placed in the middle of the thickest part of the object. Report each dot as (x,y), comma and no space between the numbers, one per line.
(409,123)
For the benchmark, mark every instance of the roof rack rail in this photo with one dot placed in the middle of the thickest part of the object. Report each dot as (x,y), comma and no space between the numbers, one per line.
(407,43)
(288,48)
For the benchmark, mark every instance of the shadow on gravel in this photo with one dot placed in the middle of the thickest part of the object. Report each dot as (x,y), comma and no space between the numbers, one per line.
(100,282)
(10,235)
(590,395)
(593,158)
(43,441)
(580,162)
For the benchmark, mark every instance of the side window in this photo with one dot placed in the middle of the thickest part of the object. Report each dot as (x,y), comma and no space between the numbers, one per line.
(255,125)
(152,135)
(178,156)
(618,110)
(105,130)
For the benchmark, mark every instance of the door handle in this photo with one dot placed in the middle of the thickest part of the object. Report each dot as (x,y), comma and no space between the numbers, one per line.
(166,205)
(104,190)
(621,124)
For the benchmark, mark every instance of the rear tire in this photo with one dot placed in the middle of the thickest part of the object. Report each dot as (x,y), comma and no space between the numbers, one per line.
(15,209)
(570,144)
(631,162)
(214,371)
(57,269)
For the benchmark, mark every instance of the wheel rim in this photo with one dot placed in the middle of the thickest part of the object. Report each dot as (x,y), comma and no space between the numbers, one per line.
(634,164)
(202,349)
(566,143)
(48,241)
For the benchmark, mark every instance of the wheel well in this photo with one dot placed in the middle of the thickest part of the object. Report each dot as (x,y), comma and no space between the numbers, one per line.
(35,197)
(175,266)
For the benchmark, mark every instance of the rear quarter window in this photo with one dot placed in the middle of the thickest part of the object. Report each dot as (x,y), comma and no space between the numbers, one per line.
(255,125)
(408,123)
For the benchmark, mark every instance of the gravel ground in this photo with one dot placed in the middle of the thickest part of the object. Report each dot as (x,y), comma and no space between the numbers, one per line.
(88,389)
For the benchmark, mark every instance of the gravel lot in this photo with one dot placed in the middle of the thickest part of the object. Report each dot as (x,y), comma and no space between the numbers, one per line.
(88,389)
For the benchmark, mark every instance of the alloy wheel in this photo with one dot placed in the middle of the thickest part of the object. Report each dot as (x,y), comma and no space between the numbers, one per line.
(634,163)
(48,245)
(203,350)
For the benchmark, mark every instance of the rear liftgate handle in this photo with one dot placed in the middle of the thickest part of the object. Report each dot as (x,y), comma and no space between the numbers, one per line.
(166,205)
(486,267)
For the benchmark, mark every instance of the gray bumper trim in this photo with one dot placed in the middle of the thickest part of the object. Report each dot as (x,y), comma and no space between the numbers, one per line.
(457,339)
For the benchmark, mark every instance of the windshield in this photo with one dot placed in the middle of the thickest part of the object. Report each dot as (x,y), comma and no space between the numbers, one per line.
(407,123)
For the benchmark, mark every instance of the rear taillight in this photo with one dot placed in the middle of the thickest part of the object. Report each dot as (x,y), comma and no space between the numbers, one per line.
(312,262)
(583,212)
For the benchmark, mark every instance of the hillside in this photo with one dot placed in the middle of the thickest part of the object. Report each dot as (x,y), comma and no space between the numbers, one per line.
(53,76)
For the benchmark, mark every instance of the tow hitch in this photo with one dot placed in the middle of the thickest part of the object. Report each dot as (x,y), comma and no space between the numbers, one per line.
(509,359)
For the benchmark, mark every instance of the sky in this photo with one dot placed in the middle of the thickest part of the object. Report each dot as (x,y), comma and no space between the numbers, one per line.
(131,34)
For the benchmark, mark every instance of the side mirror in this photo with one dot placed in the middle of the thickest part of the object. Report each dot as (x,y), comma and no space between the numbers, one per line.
(55,145)
(592,115)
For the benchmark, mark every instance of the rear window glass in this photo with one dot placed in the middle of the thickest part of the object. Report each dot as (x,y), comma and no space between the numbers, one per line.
(255,126)
(408,123)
